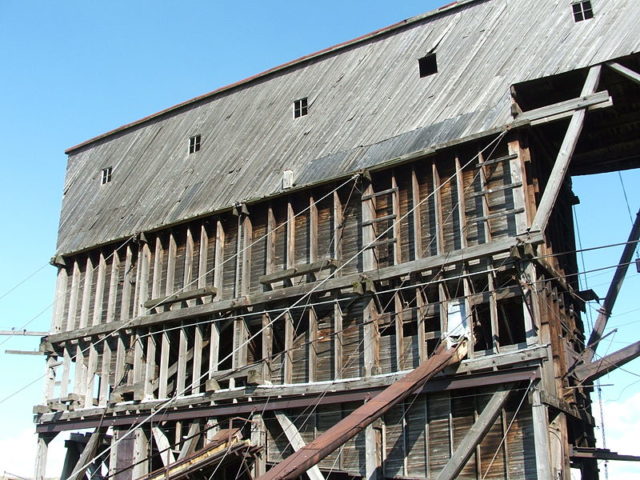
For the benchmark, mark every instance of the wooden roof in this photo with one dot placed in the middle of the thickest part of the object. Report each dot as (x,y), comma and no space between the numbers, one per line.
(367,106)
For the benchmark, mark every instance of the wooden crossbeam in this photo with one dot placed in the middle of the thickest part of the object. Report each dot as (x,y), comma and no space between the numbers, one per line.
(87,454)
(474,435)
(625,72)
(181,297)
(612,293)
(561,165)
(296,441)
(589,372)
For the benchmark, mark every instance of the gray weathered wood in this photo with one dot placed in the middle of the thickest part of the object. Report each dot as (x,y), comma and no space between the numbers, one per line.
(625,72)
(296,441)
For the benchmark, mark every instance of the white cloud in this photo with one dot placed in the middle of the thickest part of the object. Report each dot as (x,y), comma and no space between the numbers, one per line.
(622,426)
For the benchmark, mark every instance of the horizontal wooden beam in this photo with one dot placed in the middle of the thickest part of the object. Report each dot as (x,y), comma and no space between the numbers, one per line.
(301,269)
(578,453)
(568,107)
(625,72)
(181,297)
(25,333)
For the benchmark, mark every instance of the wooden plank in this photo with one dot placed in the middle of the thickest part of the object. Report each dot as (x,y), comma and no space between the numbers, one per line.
(492,161)
(291,236)
(589,372)
(114,287)
(86,293)
(188,281)
(624,71)
(296,441)
(587,99)
(474,435)
(312,358)
(140,453)
(271,241)
(181,374)
(299,270)
(105,373)
(338,227)
(214,348)
(164,446)
(437,205)
(561,164)
(126,285)
(218,278)
(172,253)
(190,443)
(247,238)
(371,195)
(156,281)
(287,376)
(397,231)
(150,379)
(163,376)
(202,257)
(462,231)
(198,346)
(338,344)
(416,215)
(181,297)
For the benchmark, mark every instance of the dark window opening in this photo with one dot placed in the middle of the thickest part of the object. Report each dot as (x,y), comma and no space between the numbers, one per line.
(582,10)
(428,65)
(194,143)
(511,321)
(105,176)
(482,334)
(300,108)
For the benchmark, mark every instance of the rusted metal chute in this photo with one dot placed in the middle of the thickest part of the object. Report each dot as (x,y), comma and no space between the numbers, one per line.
(311,454)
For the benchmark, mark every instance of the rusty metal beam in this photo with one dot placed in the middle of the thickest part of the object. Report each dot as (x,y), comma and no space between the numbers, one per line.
(308,456)
(591,371)
(612,294)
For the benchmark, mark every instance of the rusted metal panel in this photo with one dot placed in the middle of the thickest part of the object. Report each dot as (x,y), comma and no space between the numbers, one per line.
(299,462)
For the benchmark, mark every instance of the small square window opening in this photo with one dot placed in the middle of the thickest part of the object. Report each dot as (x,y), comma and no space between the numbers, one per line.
(105,175)
(194,143)
(428,65)
(300,108)
(582,10)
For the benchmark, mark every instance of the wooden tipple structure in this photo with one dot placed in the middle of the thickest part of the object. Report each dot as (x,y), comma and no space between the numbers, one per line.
(242,272)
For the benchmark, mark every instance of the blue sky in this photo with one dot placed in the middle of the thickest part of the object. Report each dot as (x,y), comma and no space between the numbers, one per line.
(74,69)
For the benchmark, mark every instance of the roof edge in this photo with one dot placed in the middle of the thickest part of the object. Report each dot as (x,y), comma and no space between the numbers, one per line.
(340,46)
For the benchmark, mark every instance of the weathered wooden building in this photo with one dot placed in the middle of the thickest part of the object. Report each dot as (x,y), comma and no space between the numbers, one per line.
(240,272)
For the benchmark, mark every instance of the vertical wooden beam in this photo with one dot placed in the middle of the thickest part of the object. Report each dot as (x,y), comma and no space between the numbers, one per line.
(86,294)
(437,205)
(416,216)
(165,352)
(100,287)
(105,371)
(50,375)
(338,226)
(125,308)
(79,386)
(368,230)
(156,284)
(421,312)
(142,282)
(267,346)
(287,376)
(240,348)
(218,277)
(461,206)
(271,241)
(140,453)
(518,176)
(291,235)
(57,322)
(198,345)
(371,340)
(139,358)
(171,265)
(338,343)
(202,257)
(259,438)
(312,357)
(113,288)
(190,443)
(239,263)
(121,354)
(181,375)
(484,187)
(247,239)
(397,231)
(313,230)
(150,368)
(188,282)
(66,370)
(40,470)
(214,348)
(397,320)
(73,296)
(493,312)
(296,441)
(541,435)
(561,165)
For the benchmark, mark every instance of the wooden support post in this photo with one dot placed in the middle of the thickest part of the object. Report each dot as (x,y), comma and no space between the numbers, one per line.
(164,446)
(589,372)
(66,370)
(625,72)
(416,216)
(271,241)
(462,230)
(372,453)
(312,357)
(126,285)
(291,235)
(397,231)
(398,311)
(474,435)
(80,371)
(156,283)
(493,312)
(113,288)
(371,340)
(245,256)
(218,277)
(142,282)
(421,313)
(561,165)
(338,227)
(518,177)
(139,358)
(437,205)
(267,346)
(214,348)
(50,375)
(296,441)
(203,257)
(188,282)
(73,297)
(86,294)
(121,353)
(99,292)
(287,376)
(181,375)
(163,377)
(530,304)
(141,462)
(172,254)
(484,187)
(40,470)
(338,343)
(313,230)
(150,378)
(368,230)
(259,438)
(105,371)
(240,348)
(541,435)
(57,322)
(198,345)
